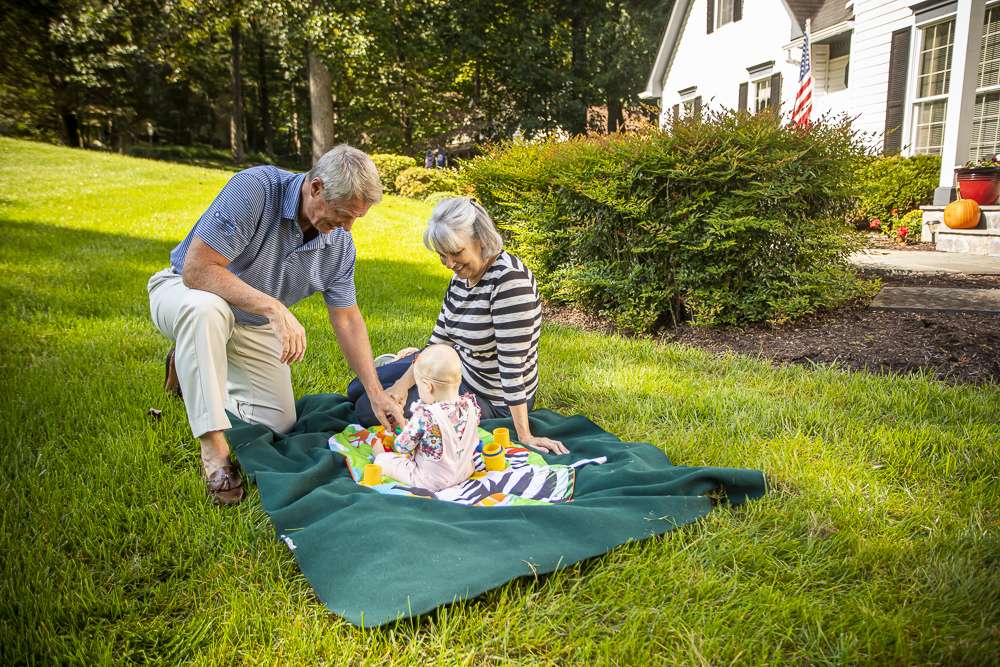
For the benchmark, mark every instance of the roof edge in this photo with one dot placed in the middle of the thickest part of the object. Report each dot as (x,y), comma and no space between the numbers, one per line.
(654,85)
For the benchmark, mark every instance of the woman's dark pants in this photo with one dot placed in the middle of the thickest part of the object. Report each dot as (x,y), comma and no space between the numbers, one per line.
(389,373)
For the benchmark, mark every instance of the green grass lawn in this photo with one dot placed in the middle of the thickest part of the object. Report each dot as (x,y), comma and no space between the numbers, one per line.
(878,542)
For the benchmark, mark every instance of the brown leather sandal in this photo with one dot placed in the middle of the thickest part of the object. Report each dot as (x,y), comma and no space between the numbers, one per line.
(171,382)
(225,485)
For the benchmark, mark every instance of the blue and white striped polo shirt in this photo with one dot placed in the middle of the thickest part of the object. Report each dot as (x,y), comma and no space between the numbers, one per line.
(253,224)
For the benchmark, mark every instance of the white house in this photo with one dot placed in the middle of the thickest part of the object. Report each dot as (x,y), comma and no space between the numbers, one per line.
(917,77)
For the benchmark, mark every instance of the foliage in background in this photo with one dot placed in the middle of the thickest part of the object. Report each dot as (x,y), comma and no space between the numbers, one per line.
(390,166)
(895,183)
(418,182)
(405,74)
(731,220)
(436,198)
(905,228)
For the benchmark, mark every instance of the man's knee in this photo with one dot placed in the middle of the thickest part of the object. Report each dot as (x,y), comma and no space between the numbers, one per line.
(281,422)
(204,308)
(278,419)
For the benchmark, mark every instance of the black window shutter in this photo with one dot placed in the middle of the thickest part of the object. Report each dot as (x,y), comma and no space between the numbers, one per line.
(711,16)
(737,10)
(776,93)
(697,107)
(677,112)
(744,88)
(899,54)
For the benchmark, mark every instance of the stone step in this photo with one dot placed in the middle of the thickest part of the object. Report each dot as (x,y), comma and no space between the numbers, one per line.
(925,261)
(981,240)
(939,299)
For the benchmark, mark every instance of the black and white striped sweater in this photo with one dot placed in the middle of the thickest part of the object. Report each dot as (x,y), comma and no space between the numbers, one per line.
(495,326)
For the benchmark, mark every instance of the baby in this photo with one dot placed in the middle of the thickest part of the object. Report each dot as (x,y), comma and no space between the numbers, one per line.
(439,441)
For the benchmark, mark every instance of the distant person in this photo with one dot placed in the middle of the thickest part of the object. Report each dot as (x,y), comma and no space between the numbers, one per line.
(270,239)
(442,159)
(429,159)
(434,159)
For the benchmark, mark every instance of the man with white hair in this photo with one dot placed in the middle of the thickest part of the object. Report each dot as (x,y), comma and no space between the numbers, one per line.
(270,239)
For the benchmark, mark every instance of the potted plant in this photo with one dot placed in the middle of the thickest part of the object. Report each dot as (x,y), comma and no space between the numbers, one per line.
(980,181)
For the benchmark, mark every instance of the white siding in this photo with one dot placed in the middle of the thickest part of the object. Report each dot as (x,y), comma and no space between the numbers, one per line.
(874,23)
(716,63)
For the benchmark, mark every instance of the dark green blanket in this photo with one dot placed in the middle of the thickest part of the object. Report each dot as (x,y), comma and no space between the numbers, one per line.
(347,537)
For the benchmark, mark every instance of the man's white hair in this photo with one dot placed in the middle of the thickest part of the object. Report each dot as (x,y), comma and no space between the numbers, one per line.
(457,220)
(347,173)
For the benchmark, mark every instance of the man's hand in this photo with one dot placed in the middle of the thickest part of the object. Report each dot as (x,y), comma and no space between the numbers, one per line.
(398,394)
(289,332)
(387,410)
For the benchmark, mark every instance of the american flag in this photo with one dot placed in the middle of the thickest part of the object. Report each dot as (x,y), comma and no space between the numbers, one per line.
(803,98)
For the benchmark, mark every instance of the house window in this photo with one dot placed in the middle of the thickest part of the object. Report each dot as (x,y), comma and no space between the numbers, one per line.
(726,12)
(933,74)
(761,94)
(986,120)
(837,70)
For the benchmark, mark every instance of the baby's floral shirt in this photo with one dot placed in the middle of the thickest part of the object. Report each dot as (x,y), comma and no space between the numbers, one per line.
(422,436)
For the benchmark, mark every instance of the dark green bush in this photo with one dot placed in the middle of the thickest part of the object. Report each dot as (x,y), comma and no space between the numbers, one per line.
(730,220)
(895,183)
(389,167)
(418,182)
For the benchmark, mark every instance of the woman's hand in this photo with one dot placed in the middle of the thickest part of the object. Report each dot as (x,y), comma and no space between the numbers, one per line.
(544,444)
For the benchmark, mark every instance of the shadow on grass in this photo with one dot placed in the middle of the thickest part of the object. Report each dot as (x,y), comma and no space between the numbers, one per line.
(70,272)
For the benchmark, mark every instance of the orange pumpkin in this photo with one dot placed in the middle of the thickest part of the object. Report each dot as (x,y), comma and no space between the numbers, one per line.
(962,214)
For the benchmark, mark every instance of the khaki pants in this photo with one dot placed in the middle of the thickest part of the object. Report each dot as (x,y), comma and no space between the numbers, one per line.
(221,364)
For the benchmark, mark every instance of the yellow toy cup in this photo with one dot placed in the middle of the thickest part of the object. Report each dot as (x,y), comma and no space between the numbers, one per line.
(372,475)
(494,457)
(501,436)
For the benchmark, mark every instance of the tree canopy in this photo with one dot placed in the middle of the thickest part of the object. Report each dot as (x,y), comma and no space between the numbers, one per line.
(280,76)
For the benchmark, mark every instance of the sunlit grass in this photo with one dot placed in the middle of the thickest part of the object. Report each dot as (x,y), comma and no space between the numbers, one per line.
(878,542)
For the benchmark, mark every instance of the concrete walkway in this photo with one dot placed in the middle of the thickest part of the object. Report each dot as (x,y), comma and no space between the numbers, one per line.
(939,299)
(926,261)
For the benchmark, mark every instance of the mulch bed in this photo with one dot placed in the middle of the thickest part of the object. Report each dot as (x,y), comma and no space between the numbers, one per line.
(955,347)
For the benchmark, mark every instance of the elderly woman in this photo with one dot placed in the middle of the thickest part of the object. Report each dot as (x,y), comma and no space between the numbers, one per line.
(491,315)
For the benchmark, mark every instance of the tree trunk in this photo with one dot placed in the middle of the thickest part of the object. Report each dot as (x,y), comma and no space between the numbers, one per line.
(320,106)
(578,69)
(237,127)
(71,128)
(615,118)
(263,98)
(296,130)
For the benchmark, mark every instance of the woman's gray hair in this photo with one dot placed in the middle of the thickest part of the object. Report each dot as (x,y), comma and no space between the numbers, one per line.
(347,173)
(455,221)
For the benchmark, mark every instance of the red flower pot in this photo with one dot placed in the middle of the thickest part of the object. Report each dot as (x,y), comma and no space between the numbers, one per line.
(981,185)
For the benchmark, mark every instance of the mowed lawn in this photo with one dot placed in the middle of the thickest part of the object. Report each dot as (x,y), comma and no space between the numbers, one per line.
(878,541)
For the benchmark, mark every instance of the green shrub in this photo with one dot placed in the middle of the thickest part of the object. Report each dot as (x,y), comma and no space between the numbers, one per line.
(390,166)
(895,183)
(418,182)
(436,198)
(730,220)
(892,226)
(421,183)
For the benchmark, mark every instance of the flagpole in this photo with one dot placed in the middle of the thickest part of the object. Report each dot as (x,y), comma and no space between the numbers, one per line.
(809,23)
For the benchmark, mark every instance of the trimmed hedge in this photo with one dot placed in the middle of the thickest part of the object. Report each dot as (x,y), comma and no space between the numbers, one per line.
(418,182)
(389,167)
(436,198)
(895,183)
(728,220)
